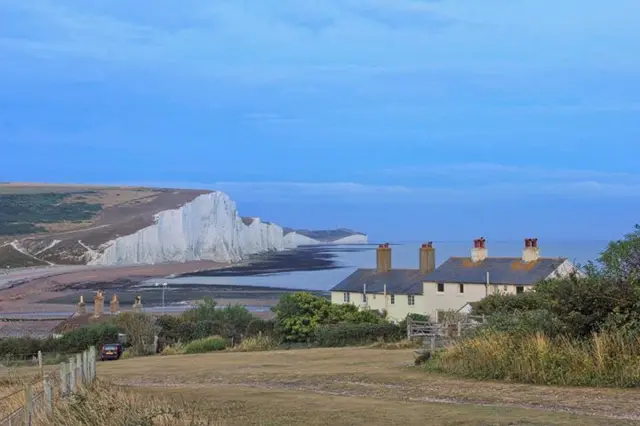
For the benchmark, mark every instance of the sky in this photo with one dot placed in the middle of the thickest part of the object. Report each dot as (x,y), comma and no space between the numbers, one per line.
(406,119)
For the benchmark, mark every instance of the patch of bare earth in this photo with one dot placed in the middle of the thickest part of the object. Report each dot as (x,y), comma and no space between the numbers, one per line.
(357,380)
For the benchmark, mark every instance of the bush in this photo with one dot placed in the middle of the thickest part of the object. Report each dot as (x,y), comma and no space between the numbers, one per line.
(260,327)
(81,338)
(140,329)
(356,334)
(175,349)
(606,359)
(209,344)
(169,328)
(78,340)
(230,322)
(527,322)
(258,343)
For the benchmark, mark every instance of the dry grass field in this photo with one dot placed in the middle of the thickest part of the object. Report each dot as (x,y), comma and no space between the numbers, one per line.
(351,386)
(357,386)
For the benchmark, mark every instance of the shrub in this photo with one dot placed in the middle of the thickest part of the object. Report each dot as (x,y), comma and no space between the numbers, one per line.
(81,338)
(209,344)
(527,322)
(175,349)
(169,328)
(187,331)
(257,343)
(140,329)
(346,334)
(259,326)
(230,322)
(606,359)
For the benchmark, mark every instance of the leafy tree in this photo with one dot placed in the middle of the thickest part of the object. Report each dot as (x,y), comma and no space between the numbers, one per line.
(140,329)
(298,314)
(621,259)
(204,311)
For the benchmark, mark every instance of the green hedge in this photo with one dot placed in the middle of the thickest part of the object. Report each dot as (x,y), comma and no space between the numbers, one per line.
(346,334)
(208,344)
(75,341)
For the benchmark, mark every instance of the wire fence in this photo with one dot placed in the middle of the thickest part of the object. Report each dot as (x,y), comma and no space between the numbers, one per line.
(33,403)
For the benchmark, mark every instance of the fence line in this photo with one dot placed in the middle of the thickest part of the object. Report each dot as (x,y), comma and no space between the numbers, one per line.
(41,395)
(434,333)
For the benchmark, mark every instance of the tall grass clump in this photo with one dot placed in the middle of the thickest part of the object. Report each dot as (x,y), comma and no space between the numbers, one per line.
(261,342)
(208,344)
(110,405)
(604,359)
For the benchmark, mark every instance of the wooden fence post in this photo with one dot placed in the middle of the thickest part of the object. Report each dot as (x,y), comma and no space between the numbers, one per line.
(79,369)
(40,364)
(408,327)
(48,395)
(94,356)
(85,366)
(64,379)
(28,405)
(73,385)
(433,342)
(459,328)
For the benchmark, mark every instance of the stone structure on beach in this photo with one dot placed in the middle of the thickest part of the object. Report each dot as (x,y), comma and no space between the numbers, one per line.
(114,305)
(137,304)
(98,304)
(82,308)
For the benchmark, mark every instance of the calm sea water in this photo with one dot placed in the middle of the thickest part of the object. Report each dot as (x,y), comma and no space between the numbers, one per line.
(403,256)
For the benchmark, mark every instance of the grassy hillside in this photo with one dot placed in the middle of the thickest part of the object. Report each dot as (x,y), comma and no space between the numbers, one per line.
(60,224)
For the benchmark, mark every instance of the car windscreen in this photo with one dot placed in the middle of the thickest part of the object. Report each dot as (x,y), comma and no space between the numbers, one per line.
(110,347)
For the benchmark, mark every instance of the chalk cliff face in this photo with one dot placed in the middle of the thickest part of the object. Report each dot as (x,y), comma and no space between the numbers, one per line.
(207,228)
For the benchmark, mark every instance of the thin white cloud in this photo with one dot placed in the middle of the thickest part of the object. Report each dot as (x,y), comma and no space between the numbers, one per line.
(495,171)
(350,191)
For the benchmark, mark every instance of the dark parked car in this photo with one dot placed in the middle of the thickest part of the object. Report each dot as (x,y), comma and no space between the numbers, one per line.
(111,351)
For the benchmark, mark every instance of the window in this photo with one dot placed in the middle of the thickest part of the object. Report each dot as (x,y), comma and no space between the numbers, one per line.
(393,299)
(440,287)
(346,297)
(505,288)
(461,288)
(364,297)
(411,299)
(519,289)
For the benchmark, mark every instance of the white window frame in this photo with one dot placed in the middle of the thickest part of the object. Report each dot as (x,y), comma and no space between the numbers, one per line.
(438,287)
(346,297)
(392,299)
(411,300)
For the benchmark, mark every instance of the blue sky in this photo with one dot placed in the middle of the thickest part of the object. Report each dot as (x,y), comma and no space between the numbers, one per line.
(407,119)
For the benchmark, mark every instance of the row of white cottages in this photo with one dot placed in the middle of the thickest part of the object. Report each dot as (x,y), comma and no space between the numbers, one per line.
(451,286)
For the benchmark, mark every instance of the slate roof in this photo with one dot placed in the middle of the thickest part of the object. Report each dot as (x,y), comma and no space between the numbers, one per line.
(398,281)
(502,270)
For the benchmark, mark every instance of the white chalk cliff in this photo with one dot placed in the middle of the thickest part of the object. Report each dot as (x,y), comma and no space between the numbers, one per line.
(207,228)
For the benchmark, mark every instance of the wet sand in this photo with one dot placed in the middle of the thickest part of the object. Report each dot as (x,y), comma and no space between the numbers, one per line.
(58,290)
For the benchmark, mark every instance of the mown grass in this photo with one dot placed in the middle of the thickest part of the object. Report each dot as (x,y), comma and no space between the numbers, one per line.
(345,386)
(606,359)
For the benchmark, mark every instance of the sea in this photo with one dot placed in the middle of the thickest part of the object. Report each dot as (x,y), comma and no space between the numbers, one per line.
(404,255)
